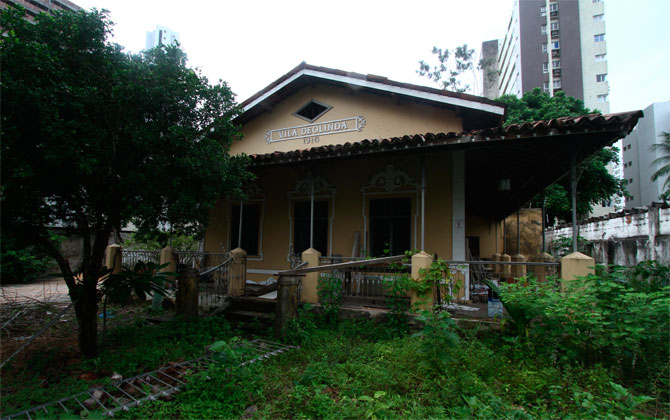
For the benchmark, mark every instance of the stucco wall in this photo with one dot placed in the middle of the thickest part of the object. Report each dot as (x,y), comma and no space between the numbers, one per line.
(625,238)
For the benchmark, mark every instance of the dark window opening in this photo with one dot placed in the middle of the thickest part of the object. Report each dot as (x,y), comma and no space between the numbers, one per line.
(301,226)
(251,221)
(312,110)
(472,244)
(390,226)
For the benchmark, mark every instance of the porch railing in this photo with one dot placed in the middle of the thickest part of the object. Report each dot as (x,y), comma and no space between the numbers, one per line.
(130,257)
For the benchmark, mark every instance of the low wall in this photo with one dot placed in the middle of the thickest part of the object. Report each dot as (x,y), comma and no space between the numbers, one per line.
(626,237)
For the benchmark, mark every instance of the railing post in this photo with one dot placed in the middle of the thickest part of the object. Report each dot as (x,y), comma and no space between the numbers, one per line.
(495,268)
(540,271)
(576,265)
(238,273)
(187,293)
(420,261)
(518,270)
(505,271)
(287,303)
(167,257)
(113,258)
(309,292)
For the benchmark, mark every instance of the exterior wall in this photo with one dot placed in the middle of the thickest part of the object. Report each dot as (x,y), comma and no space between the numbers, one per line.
(490,72)
(532,57)
(638,158)
(509,59)
(34,7)
(625,238)
(591,68)
(384,118)
(349,209)
(161,36)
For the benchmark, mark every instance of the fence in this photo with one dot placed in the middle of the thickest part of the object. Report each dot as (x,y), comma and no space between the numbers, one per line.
(131,257)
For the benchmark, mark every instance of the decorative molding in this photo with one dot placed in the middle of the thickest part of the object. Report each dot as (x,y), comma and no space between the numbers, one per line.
(304,187)
(390,180)
(253,191)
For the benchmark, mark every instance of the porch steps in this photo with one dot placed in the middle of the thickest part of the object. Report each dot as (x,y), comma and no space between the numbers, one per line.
(250,309)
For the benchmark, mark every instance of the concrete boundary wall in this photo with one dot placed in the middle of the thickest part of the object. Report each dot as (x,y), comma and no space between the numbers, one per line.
(626,237)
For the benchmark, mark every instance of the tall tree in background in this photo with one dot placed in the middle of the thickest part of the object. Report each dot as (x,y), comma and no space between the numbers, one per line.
(446,73)
(93,138)
(664,161)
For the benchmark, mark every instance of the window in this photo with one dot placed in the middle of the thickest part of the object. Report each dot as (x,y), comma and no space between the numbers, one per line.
(596,1)
(556,64)
(598,18)
(544,47)
(555,45)
(545,68)
(625,165)
(251,223)
(630,180)
(553,7)
(554,26)
(301,226)
(599,38)
(312,110)
(557,83)
(390,226)
(600,58)
(543,29)
(630,164)
(602,98)
(601,77)
(543,11)
(545,86)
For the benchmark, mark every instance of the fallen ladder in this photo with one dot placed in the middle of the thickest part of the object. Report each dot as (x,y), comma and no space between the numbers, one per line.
(127,393)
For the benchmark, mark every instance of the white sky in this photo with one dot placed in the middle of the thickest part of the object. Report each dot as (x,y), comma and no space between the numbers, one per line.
(249,44)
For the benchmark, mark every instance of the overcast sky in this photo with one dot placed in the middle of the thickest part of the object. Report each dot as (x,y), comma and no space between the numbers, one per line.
(249,44)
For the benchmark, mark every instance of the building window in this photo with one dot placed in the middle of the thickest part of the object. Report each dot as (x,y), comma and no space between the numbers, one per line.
(312,110)
(557,83)
(625,165)
(554,26)
(544,47)
(601,77)
(543,29)
(596,1)
(630,164)
(602,98)
(545,68)
(599,38)
(545,86)
(390,226)
(543,11)
(301,226)
(251,228)
(598,18)
(553,7)
(630,180)
(600,57)
(555,45)
(556,64)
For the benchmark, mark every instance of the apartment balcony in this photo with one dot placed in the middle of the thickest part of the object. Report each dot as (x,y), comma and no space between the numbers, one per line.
(556,72)
(553,13)
(554,33)
(555,53)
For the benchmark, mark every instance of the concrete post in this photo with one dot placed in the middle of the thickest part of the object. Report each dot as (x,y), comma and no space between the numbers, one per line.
(420,261)
(495,268)
(287,303)
(518,270)
(238,272)
(505,271)
(541,271)
(574,265)
(167,257)
(187,293)
(113,258)
(310,283)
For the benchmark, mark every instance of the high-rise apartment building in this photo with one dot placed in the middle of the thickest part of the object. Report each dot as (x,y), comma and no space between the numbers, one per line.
(638,156)
(34,7)
(556,45)
(161,36)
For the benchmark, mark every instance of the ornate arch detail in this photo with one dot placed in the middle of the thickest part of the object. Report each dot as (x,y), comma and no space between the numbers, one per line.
(304,187)
(253,191)
(389,180)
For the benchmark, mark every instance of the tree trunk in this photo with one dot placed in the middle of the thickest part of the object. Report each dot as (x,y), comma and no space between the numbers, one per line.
(87,314)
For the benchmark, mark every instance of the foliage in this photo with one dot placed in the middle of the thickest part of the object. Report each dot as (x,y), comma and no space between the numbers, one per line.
(396,301)
(446,74)
(300,329)
(435,277)
(662,163)
(93,138)
(618,317)
(438,337)
(143,279)
(160,239)
(329,289)
(20,264)
(563,246)
(536,105)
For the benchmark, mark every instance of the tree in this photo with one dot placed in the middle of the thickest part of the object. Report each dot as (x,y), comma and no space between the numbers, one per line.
(93,138)
(446,74)
(596,184)
(663,148)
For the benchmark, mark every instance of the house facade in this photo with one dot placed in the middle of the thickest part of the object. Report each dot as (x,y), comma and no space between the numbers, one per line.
(346,164)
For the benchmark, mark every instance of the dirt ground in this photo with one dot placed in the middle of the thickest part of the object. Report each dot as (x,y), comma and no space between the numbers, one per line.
(44,290)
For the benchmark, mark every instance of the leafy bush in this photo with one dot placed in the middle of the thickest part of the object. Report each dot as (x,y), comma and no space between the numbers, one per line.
(21,263)
(396,302)
(299,330)
(438,337)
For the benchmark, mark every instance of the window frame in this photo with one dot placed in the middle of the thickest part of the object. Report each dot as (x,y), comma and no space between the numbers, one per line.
(258,256)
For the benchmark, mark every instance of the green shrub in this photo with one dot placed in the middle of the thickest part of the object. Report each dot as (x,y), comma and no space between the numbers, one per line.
(329,289)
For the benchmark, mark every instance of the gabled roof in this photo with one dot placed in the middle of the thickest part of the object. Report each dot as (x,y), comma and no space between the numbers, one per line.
(477,112)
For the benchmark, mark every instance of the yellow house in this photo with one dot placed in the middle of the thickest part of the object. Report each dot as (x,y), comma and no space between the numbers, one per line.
(345,163)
